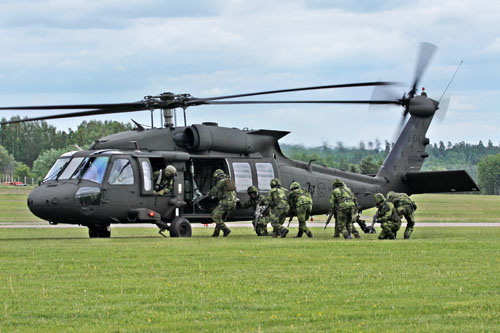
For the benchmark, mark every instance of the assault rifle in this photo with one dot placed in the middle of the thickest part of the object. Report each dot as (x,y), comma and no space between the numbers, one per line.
(258,213)
(371,229)
(330,215)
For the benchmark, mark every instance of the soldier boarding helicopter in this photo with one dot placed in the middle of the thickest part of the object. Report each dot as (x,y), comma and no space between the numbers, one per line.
(112,181)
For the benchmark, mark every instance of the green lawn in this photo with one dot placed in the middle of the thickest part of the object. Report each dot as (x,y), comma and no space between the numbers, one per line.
(58,280)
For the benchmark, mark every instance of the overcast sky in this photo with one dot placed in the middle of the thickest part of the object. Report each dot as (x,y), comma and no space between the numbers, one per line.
(88,51)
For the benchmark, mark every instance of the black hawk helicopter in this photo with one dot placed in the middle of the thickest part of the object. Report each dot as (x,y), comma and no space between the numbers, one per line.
(112,181)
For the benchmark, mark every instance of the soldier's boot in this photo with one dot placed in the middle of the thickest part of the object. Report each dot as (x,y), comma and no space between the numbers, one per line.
(355,232)
(408,232)
(216,232)
(346,235)
(299,234)
(309,234)
(226,231)
(356,235)
(284,232)
(275,234)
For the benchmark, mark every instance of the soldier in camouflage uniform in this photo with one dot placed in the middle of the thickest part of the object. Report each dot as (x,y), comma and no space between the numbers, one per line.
(343,204)
(224,190)
(405,207)
(164,180)
(388,216)
(164,185)
(278,208)
(255,199)
(300,202)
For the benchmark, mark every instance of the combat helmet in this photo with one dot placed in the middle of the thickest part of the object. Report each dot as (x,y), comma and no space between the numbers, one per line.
(275,183)
(170,171)
(252,189)
(294,186)
(218,173)
(337,182)
(379,198)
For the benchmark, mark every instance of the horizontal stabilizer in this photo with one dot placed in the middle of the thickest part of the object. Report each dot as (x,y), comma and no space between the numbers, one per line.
(440,181)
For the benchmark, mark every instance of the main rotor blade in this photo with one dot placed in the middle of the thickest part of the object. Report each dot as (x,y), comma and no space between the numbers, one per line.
(70,115)
(426,53)
(347,85)
(303,102)
(141,105)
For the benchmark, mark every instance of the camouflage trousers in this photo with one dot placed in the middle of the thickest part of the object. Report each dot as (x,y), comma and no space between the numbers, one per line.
(277,217)
(261,227)
(343,223)
(220,214)
(303,214)
(407,212)
(389,230)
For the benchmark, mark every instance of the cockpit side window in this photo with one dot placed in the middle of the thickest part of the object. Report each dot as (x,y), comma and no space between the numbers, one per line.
(121,173)
(92,169)
(56,168)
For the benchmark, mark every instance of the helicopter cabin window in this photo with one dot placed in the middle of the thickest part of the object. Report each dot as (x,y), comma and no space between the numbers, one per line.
(242,176)
(121,173)
(146,171)
(265,173)
(56,168)
(71,168)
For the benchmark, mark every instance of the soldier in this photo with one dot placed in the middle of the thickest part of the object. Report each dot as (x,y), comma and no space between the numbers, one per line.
(405,207)
(388,216)
(254,201)
(164,185)
(224,190)
(343,204)
(300,202)
(164,180)
(278,208)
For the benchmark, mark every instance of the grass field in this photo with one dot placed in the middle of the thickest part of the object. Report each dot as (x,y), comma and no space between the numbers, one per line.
(444,279)
(431,207)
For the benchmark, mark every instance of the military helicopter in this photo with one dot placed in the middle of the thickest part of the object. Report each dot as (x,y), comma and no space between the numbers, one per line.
(112,181)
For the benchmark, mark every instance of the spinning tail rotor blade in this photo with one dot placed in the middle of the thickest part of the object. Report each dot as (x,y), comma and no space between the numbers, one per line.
(443,108)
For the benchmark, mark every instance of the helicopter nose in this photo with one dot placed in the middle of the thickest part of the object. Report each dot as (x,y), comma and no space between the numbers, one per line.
(54,202)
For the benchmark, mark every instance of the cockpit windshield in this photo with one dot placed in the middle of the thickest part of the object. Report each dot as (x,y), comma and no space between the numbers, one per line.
(56,168)
(92,168)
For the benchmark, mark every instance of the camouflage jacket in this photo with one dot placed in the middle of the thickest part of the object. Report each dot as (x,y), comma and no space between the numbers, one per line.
(387,213)
(277,198)
(299,197)
(252,202)
(342,198)
(402,199)
(166,184)
(221,192)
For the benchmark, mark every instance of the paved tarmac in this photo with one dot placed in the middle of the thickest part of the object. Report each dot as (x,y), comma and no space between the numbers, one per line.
(41,225)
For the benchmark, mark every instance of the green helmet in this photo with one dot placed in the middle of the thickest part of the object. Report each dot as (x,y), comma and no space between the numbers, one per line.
(294,186)
(379,198)
(252,189)
(170,171)
(275,183)
(337,182)
(218,173)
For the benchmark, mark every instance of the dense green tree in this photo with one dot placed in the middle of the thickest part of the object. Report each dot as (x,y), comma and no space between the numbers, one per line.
(369,166)
(22,171)
(7,161)
(489,174)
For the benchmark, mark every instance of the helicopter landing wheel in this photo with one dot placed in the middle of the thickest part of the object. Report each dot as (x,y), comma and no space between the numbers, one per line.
(99,231)
(180,227)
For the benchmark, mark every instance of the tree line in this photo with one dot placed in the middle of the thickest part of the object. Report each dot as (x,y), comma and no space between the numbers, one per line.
(30,149)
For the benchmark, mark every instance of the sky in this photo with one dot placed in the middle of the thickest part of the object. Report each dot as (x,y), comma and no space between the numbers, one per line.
(87,51)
